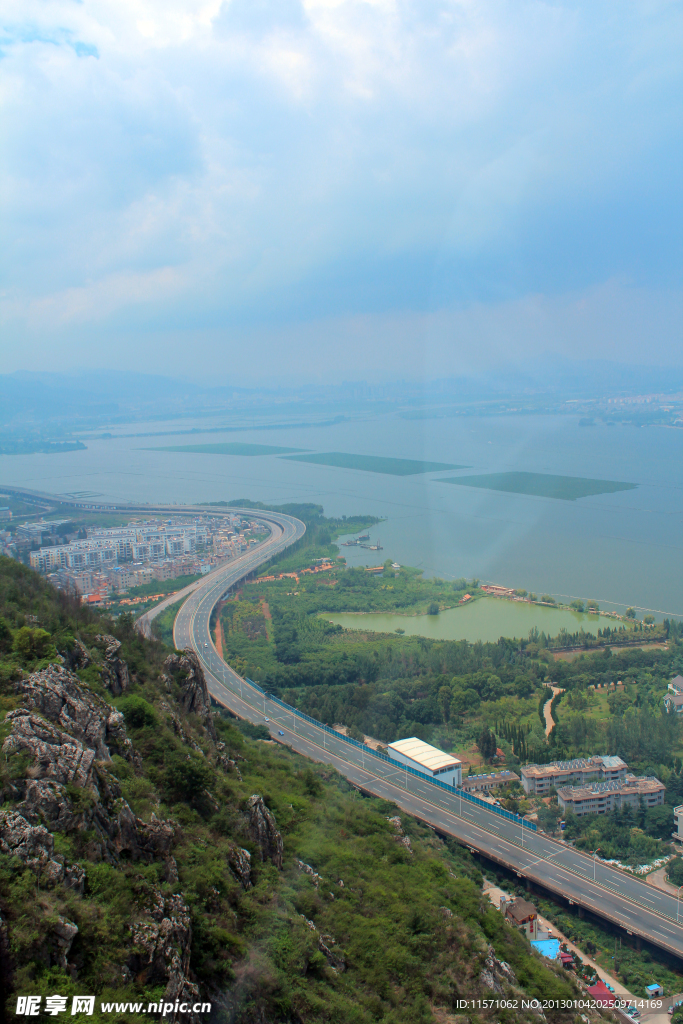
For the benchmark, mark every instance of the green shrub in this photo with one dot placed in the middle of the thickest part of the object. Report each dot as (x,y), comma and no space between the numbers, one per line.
(137,711)
(32,643)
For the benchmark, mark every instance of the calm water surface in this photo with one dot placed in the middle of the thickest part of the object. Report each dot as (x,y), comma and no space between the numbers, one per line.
(619,549)
(486,619)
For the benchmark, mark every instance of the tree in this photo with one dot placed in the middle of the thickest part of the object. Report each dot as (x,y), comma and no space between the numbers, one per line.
(577,605)
(487,744)
(5,636)
(464,702)
(433,609)
(445,696)
(187,775)
(648,620)
(630,613)
(675,871)
(31,644)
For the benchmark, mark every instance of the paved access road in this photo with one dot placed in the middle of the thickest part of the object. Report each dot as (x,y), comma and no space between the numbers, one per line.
(611,893)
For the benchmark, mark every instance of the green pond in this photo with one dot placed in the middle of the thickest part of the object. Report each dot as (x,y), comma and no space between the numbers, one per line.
(487,618)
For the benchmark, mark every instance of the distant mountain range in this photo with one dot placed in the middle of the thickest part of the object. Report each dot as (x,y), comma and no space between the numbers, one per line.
(34,402)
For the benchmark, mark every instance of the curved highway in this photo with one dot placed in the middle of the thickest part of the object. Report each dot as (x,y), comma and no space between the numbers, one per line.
(640,909)
(284,531)
(607,891)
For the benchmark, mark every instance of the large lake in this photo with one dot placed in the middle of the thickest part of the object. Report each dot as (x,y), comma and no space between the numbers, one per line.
(620,549)
(487,619)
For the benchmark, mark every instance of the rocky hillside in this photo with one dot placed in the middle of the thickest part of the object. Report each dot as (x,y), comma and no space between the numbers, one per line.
(152,852)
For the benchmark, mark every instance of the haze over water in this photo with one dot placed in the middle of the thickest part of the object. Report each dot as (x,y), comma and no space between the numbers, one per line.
(620,549)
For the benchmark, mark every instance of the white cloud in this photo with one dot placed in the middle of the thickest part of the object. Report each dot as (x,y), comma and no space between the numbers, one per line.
(220,162)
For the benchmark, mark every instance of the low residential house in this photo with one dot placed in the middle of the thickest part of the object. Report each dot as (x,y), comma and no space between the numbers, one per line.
(485,783)
(522,914)
(676,684)
(678,823)
(605,797)
(673,702)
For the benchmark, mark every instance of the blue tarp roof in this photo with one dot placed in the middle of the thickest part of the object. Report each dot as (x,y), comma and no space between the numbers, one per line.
(547,947)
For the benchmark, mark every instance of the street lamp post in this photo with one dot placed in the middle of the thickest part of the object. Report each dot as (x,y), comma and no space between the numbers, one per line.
(594,854)
(678,905)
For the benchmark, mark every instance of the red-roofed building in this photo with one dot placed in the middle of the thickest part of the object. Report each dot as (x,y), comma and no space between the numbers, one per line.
(601,994)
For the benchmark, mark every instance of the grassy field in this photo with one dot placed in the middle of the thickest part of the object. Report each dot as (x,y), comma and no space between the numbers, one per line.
(226,448)
(374,463)
(542,485)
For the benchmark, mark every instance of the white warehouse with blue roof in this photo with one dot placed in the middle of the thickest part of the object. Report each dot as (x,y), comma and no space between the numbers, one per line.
(430,761)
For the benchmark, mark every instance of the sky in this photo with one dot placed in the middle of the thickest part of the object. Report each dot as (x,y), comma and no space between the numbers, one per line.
(282,190)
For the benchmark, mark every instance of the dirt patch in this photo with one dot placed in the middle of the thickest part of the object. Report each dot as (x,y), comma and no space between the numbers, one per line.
(615,648)
(219,637)
(369,741)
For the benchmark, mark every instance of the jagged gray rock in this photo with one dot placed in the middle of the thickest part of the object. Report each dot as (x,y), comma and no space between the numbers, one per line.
(263,829)
(194,695)
(61,759)
(162,941)
(35,847)
(115,675)
(80,656)
(401,837)
(178,729)
(308,870)
(57,755)
(59,696)
(240,863)
(334,961)
(487,979)
(65,932)
(496,971)
(227,763)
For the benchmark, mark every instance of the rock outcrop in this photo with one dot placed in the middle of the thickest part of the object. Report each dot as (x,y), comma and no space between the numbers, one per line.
(194,697)
(401,837)
(70,734)
(227,763)
(115,675)
(35,847)
(64,932)
(495,972)
(334,960)
(308,870)
(240,864)
(263,830)
(58,695)
(162,944)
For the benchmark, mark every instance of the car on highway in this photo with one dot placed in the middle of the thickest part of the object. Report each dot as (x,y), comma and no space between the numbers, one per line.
(280,732)
(266,719)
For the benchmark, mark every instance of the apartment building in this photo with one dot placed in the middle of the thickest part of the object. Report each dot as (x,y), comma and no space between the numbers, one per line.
(538,778)
(605,797)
